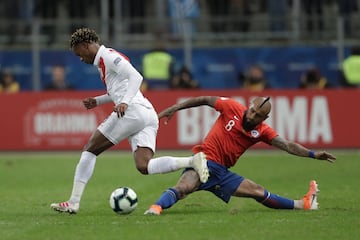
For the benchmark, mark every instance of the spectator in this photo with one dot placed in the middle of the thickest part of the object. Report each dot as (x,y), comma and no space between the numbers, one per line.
(314,14)
(58,80)
(9,12)
(184,79)
(240,13)
(346,8)
(9,84)
(254,79)
(133,10)
(183,14)
(218,9)
(157,68)
(312,79)
(48,11)
(278,10)
(76,11)
(26,14)
(350,75)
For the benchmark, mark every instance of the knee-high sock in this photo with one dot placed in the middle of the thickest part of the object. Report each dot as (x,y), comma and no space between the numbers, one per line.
(83,173)
(168,164)
(168,198)
(274,201)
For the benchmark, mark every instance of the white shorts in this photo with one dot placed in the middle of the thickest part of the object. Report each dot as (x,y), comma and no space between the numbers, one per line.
(139,124)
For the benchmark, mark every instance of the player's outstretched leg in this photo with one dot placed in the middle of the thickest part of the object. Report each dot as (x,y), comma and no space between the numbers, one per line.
(68,207)
(310,198)
(308,202)
(199,163)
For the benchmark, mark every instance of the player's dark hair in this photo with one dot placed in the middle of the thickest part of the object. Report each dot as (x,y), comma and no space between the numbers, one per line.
(266,99)
(84,35)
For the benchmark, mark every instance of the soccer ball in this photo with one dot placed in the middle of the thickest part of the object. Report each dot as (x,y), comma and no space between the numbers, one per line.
(123,200)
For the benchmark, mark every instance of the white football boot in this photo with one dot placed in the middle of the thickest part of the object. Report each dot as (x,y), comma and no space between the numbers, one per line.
(199,163)
(68,207)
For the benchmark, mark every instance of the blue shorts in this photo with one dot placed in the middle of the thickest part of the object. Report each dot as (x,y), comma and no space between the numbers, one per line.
(222,182)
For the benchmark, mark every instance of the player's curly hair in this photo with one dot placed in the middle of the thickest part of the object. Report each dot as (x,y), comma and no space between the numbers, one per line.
(82,35)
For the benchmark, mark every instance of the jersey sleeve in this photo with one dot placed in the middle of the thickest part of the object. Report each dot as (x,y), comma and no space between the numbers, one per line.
(221,103)
(268,134)
(116,62)
(121,65)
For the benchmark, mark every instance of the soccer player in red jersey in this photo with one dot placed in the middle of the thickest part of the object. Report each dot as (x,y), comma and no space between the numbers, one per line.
(236,129)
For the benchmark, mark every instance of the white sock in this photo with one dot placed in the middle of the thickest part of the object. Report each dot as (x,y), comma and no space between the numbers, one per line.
(77,191)
(83,173)
(168,164)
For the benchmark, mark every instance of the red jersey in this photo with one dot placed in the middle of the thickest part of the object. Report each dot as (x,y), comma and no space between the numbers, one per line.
(227,140)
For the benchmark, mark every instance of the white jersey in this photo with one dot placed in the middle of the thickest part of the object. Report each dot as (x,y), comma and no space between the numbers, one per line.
(122,80)
(140,122)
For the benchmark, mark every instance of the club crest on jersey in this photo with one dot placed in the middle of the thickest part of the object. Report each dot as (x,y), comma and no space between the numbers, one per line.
(255,133)
(117,60)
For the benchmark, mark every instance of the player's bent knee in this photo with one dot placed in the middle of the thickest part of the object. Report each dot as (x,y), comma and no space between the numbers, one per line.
(142,157)
(142,169)
(142,165)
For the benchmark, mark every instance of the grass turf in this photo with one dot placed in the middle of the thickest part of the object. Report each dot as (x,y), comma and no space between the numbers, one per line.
(31,181)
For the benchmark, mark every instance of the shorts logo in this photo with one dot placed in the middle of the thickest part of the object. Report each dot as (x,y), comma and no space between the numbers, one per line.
(255,133)
(117,60)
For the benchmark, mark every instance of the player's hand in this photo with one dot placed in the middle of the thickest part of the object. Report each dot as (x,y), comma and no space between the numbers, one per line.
(168,113)
(120,109)
(89,103)
(322,155)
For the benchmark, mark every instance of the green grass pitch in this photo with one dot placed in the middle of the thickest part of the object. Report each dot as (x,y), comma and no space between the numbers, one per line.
(30,181)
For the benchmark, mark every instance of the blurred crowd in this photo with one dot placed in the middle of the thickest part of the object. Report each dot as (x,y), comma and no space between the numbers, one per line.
(159,72)
(222,16)
(217,15)
(8,83)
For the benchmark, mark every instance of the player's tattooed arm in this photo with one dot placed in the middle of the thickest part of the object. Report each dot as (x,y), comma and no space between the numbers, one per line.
(192,102)
(299,150)
(290,147)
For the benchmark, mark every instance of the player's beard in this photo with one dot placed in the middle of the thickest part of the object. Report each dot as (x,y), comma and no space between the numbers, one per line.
(247,126)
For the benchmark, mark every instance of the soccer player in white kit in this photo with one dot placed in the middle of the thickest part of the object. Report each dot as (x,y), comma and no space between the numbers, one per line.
(133,118)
